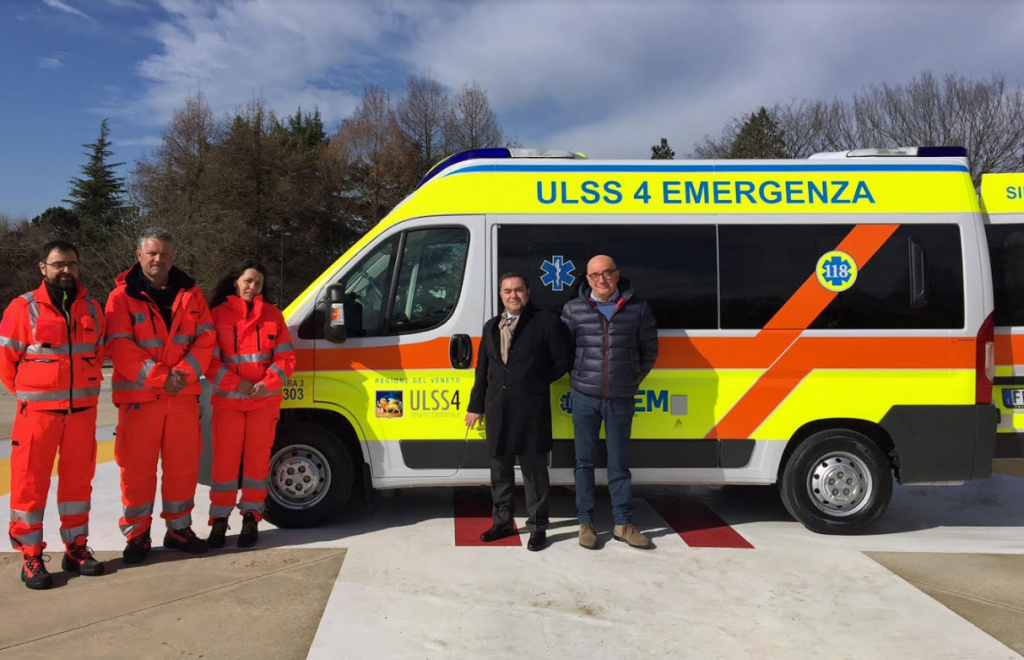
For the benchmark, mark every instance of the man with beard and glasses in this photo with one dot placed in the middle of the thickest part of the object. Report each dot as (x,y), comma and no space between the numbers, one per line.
(51,352)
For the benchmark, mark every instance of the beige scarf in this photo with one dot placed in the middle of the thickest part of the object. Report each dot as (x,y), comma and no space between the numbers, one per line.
(506,329)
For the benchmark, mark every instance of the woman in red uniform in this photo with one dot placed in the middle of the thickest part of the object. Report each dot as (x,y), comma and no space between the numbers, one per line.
(253,359)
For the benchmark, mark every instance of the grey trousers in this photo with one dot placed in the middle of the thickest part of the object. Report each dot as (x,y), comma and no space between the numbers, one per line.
(535,481)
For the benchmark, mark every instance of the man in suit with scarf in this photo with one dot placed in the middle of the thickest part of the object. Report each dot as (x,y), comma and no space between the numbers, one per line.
(522,351)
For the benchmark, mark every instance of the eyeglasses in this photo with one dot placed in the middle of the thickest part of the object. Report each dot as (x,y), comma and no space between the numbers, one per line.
(61,265)
(606,275)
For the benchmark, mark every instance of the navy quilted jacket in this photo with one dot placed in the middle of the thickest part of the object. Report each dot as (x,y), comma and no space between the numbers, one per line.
(612,357)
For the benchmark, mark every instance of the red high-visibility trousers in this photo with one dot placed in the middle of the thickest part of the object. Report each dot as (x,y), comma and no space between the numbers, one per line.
(166,429)
(35,441)
(238,433)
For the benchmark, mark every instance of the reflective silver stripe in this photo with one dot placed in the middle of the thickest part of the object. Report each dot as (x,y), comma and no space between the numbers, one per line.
(180,523)
(248,358)
(72,508)
(7,342)
(194,363)
(231,395)
(38,349)
(281,348)
(32,538)
(151,343)
(69,535)
(28,517)
(224,487)
(251,506)
(220,511)
(122,385)
(216,352)
(206,327)
(147,367)
(178,507)
(131,527)
(279,371)
(33,311)
(182,339)
(62,395)
(138,511)
(255,484)
(219,376)
(118,335)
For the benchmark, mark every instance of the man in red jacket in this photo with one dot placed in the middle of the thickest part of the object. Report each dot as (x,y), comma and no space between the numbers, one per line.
(51,351)
(160,337)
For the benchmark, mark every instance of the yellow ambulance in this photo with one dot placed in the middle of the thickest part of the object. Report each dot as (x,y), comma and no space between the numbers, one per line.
(1002,200)
(824,324)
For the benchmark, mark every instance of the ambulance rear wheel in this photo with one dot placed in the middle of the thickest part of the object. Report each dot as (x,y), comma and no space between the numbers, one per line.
(311,476)
(836,482)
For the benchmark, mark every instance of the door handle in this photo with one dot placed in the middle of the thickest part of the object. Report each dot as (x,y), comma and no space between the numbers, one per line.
(460,351)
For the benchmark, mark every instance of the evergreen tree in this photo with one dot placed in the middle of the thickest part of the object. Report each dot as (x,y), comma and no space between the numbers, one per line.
(759,137)
(662,151)
(59,221)
(97,198)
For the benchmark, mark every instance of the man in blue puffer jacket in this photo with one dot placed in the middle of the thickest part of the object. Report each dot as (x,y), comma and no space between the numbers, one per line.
(616,347)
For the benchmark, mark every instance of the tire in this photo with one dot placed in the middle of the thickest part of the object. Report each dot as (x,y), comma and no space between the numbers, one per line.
(319,483)
(838,458)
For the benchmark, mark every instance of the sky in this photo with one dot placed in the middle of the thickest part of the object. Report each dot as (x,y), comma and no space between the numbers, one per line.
(608,79)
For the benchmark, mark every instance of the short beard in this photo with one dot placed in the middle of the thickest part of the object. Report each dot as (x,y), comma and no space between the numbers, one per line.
(66,285)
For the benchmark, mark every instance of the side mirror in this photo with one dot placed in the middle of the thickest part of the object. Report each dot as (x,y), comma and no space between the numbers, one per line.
(334,326)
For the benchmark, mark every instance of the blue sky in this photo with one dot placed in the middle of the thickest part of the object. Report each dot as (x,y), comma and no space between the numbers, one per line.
(605,78)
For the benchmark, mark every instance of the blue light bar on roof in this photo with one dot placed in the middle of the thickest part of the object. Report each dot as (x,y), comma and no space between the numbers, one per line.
(474,154)
(942,152)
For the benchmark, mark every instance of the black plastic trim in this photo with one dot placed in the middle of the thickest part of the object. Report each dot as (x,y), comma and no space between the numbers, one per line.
(943,443)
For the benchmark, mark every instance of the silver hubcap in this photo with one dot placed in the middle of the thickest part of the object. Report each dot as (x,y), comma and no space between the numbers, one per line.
(299,477)
(840,484)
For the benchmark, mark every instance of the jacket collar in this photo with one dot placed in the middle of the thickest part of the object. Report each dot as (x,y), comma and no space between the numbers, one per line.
(625,292)
(42,294)
(131,281)
(237,305)
(528,312)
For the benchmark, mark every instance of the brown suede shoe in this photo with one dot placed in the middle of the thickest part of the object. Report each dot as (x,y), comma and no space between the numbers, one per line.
(588,537)
(631,535)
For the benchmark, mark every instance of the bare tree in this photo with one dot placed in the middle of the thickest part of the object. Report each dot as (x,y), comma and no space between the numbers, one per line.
(984,116)
(421,112)
(472,124)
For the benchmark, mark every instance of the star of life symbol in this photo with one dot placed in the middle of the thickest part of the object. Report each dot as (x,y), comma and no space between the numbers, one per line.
(565,403)
(837,271)
(557,273)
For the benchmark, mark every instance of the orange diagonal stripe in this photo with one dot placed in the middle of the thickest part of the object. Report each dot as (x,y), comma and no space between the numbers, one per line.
(796,315)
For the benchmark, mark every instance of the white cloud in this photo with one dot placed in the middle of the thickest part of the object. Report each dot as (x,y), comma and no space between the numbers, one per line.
(64,7)
(51,62)
(606,78)
(145,141)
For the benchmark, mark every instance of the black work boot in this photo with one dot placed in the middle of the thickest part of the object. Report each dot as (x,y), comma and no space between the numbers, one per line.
(185,540)
(217,533)
(137,549)
(250,531)
(33,571)
(78,559)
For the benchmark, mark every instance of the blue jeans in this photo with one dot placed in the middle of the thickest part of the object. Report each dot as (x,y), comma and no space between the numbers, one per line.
(587,414)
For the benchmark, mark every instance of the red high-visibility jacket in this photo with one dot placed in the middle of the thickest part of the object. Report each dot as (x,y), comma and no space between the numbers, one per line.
(41,363)
(141,346)
(255,347)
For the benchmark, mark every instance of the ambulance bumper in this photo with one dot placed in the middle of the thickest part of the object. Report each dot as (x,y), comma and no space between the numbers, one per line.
(1009,445)
(943,444)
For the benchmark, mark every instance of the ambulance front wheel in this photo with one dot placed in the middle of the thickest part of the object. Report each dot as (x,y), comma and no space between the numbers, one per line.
(836,482)
(311,476)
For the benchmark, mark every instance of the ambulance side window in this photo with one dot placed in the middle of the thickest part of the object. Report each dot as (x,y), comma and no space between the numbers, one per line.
(429,280)
(673,267)
(366,291)
(1006,250)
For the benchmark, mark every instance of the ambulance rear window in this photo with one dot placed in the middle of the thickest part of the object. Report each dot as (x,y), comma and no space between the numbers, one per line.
(1006,250)
(764,265)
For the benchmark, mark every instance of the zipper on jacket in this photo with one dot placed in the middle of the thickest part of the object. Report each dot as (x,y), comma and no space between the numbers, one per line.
(258,348)
(235,330)
(606,326)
